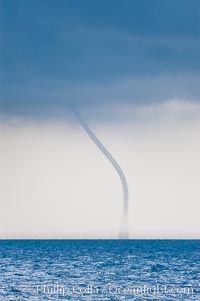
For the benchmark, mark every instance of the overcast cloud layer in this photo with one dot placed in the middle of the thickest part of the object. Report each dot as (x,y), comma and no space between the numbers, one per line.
(91,53)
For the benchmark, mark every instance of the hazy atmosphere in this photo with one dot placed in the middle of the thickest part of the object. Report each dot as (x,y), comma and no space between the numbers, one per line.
(56,183)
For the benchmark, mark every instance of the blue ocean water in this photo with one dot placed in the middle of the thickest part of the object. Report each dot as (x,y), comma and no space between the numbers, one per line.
(99,270)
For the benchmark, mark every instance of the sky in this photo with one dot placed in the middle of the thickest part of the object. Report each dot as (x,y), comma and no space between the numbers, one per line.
(133,70)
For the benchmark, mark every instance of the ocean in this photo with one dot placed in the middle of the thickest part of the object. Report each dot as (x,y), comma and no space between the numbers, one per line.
(99,270)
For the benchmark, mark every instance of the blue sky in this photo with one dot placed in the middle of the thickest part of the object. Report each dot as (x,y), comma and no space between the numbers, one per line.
(90,53)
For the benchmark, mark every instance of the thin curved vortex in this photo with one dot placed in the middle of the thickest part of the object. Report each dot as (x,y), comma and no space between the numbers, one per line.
(124,226)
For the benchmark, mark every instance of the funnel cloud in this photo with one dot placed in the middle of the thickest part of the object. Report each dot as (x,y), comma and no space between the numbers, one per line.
(123,233)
